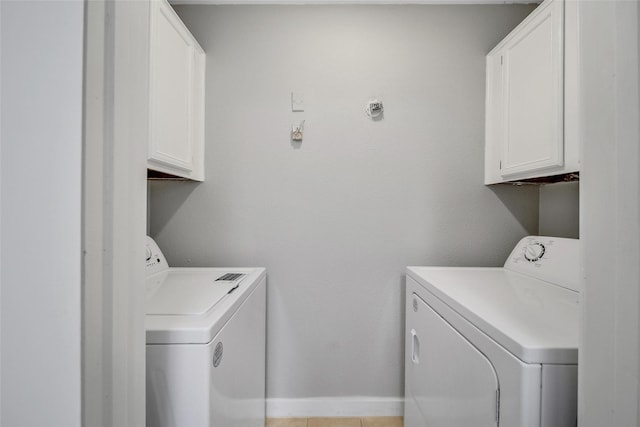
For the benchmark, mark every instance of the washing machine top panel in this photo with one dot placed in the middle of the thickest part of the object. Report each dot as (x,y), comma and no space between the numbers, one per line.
(190,306)
(535,320)
(187,292)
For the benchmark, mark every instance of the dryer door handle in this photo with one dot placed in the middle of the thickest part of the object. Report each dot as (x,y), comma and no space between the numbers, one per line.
(415,347)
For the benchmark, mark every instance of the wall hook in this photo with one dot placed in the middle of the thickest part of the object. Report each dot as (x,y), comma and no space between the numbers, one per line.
(297,131)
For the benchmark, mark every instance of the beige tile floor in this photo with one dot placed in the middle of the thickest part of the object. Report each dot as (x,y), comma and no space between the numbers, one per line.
(336,422)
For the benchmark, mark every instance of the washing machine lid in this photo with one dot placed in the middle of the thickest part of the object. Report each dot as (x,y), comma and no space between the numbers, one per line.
(535,320)
(188,293)
(189,306)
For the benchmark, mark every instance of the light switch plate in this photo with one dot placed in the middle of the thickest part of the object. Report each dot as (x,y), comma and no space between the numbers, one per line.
(297,101)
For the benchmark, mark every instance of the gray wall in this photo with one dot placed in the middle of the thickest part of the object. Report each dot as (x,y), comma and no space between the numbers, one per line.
(560,210)
(337,218)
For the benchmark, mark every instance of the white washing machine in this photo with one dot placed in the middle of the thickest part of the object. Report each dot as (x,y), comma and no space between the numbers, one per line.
(495,346)
(205,353)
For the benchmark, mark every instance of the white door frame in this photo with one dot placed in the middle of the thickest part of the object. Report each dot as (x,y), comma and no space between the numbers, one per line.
(609,364)
(114,212)
(115,205)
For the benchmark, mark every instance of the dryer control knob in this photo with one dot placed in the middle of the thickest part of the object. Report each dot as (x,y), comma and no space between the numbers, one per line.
(534,251)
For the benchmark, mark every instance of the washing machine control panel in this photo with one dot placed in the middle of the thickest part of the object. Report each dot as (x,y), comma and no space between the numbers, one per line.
(154,259)
(553,259)
(534,251)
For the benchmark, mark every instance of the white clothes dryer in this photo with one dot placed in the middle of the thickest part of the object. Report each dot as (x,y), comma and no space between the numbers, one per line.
(487,347)
(205,352)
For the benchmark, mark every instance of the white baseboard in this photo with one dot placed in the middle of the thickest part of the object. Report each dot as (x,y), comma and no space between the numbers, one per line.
(335,407)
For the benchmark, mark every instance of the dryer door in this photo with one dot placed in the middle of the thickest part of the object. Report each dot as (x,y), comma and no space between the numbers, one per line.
(449,382)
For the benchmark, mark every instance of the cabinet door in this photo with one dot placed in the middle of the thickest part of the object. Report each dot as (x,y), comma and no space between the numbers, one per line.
(449,383)
(172,58)
(533,88)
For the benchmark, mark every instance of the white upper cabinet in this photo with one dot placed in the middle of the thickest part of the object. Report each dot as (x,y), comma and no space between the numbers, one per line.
(177,65)
(531,89)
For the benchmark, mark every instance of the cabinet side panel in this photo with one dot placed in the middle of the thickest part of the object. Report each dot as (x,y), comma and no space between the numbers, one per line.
(493,118)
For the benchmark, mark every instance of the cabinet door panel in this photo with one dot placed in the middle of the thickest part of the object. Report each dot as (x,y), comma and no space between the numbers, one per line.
(171,89)
(533,94)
